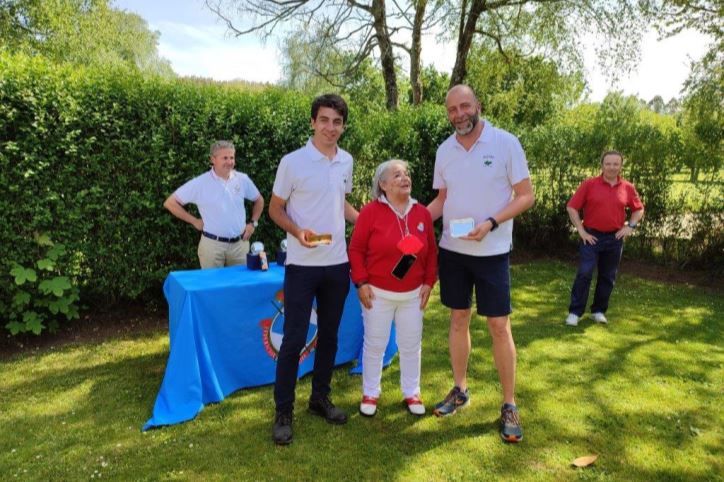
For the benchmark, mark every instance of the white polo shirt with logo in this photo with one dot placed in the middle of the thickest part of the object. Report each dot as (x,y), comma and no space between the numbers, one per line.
(314,189)
(220,201)
(479,184)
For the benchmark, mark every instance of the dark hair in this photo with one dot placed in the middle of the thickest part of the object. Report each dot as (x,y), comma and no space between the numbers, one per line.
(333,101)
(611,153)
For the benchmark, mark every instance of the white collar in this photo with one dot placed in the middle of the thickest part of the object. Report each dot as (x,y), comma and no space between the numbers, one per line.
(218,178)
(410,202)
(316,155)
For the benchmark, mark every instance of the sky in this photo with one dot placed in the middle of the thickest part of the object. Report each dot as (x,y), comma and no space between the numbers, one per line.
(197,44)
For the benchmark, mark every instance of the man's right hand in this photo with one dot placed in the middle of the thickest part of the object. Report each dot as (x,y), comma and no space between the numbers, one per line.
(198,224)
(587,237)
(303,235)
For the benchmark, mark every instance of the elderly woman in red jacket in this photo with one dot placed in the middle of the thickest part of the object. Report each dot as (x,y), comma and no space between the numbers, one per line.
(393,256)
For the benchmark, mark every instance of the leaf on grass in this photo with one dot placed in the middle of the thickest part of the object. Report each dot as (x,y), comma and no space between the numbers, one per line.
(585,461)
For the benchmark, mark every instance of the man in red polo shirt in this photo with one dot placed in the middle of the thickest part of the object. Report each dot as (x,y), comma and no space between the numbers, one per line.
(604,200)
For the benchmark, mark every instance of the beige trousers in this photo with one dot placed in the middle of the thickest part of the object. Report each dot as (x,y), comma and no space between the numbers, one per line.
(217,254)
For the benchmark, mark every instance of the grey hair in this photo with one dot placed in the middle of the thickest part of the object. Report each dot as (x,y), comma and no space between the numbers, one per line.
(380,175)
(218,145)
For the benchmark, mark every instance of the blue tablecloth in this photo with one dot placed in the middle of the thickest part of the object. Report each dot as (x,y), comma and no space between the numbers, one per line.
(225,327)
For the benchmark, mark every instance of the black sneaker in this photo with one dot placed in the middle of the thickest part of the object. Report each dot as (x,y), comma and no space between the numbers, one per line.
(324,407)
(453,401)
(510,429)
(282,430)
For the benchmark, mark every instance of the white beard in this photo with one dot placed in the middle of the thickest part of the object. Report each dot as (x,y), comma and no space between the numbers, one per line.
(472,122)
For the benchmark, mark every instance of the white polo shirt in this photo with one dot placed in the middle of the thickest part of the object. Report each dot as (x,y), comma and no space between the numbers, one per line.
(220,201)
(479,184)
(314,188)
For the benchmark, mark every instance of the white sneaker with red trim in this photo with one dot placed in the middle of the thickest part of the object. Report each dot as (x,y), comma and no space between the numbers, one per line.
(415,405)
(368,407)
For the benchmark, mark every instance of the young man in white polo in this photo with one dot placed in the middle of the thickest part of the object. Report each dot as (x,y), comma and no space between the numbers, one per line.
(482,179)
(219,194)
(309,199)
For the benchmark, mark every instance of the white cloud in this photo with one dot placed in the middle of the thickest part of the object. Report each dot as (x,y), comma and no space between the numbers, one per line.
(206,52)
(663,68)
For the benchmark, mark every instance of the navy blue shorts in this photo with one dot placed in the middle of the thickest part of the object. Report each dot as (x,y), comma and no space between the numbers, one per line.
(490,275)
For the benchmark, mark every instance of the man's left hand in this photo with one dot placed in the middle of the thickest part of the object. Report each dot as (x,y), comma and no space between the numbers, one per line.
(248,231)
(624,232)
(480,231)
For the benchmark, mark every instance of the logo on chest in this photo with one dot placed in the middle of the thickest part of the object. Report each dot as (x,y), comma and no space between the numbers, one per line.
(488,159)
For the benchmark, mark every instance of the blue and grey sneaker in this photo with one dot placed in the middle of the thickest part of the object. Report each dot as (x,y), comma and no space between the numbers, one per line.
(454,400)
(510,429)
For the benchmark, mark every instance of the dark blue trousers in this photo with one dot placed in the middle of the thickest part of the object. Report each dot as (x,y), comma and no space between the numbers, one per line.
(302,284)
(604,255)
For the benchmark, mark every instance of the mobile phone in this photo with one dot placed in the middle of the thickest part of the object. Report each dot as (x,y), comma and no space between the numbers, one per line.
(403,266)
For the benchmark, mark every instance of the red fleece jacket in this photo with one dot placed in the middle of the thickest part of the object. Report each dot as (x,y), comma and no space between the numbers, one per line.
(373,251)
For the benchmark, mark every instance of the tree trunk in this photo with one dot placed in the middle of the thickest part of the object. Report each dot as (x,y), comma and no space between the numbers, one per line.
(466,33)
(415,52)
(387,58)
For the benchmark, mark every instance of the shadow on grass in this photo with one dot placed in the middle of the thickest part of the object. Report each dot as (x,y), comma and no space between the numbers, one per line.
(642,392)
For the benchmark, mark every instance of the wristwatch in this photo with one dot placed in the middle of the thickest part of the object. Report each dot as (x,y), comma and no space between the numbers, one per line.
(493,223)
(254,223)
(631,225)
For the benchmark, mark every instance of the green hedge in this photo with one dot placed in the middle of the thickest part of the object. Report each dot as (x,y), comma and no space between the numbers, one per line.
(88,156)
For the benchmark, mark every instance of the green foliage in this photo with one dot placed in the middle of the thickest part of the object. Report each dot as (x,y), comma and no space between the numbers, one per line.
(39,299)
(314,66)
(88,155)
(521,91)
(82,32)
(564,152)
(435,86)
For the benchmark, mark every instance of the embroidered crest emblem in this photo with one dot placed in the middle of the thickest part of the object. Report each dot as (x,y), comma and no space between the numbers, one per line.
(273,330)
(421,227)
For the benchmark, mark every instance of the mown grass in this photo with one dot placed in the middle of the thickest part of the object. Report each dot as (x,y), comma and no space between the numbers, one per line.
(709,188)
(643,393)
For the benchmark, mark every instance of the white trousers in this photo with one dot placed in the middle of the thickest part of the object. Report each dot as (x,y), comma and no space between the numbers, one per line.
(404,309)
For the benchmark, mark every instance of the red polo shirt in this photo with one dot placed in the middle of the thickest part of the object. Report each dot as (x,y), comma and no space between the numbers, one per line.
(604,206)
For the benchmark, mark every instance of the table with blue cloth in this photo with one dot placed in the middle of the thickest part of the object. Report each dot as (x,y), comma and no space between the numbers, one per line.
(225,329)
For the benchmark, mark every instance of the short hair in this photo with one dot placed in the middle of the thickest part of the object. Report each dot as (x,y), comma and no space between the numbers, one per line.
(376,191)
(333,101)
(611,153)
(218,145)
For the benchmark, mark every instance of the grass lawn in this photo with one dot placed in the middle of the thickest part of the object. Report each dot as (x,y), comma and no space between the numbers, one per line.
(643,393)
(710,187)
